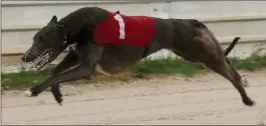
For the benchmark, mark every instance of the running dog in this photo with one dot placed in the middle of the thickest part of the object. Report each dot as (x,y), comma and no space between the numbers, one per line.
(110,42)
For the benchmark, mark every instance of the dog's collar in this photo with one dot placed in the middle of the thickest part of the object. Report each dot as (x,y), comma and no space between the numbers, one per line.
(72,45)
(65,39)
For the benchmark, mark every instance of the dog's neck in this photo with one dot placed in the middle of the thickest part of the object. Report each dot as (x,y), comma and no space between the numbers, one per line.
(84,18)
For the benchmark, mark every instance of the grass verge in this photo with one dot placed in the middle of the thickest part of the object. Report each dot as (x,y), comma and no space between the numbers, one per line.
(168,66)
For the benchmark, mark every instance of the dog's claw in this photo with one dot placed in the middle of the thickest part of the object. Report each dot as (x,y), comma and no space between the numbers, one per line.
(59,101)
(28,93)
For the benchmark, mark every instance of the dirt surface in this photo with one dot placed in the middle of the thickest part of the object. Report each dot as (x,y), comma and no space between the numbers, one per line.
(205,99)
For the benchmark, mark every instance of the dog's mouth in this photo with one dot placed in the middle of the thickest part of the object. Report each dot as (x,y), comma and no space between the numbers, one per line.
(40,61)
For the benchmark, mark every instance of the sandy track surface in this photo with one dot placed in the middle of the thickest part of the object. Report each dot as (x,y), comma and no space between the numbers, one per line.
(205,99)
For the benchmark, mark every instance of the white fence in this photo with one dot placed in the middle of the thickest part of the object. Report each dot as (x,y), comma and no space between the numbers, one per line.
(227,19)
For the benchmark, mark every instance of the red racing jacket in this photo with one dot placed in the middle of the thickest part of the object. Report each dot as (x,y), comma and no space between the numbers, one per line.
(121,29)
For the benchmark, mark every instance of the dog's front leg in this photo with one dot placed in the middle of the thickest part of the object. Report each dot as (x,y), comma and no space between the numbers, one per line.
(90,56)
(74,73)
(71,60)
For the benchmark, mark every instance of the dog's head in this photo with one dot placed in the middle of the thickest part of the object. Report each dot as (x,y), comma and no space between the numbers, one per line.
(48,43)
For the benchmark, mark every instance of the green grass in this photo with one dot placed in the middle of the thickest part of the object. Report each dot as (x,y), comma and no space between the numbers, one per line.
(168,66)
(252,63)
(23,79)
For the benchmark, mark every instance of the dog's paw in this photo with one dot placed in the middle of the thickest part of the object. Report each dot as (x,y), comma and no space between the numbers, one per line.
(28,93)
(31,93)
(59,99)
(249,102)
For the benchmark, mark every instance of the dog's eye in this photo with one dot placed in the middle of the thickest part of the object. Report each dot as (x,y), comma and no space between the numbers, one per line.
(41,38)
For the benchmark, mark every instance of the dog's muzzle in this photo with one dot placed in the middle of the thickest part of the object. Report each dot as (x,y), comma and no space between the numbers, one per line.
(39,62)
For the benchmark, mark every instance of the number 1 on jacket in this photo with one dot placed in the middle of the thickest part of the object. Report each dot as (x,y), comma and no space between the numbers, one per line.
(121,26)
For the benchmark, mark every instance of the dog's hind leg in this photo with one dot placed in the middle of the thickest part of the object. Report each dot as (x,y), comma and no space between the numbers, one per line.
(227,51)
(225,69)
(211,54)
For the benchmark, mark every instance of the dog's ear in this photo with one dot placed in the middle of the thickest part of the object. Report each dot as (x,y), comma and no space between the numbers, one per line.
(53,20)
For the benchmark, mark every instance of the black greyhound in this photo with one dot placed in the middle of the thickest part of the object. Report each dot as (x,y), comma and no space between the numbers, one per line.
(187,38)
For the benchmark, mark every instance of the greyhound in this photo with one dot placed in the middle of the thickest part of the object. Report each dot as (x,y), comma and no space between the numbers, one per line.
(187,38)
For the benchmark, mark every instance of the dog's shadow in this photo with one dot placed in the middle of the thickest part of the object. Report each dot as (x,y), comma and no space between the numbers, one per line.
(261,117)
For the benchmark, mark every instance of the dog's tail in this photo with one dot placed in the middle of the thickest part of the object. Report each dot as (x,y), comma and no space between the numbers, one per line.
(231,46)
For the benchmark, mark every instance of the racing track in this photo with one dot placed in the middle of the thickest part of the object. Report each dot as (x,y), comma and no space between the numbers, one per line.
(206,99)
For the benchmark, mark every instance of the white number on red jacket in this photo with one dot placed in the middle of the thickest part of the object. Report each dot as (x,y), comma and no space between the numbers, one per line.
(121,26)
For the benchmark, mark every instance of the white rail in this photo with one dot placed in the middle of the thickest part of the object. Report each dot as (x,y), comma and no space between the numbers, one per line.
(21,19)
